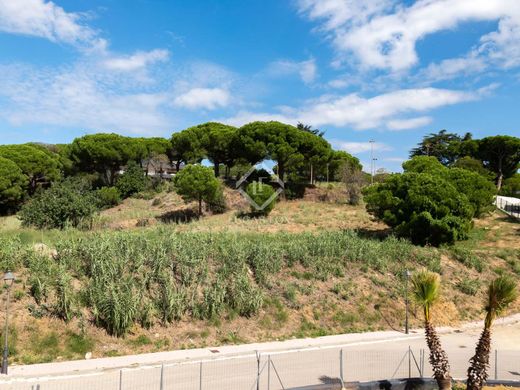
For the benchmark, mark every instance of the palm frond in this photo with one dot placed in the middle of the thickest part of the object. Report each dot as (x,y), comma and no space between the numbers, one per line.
(502,292)
(426,288)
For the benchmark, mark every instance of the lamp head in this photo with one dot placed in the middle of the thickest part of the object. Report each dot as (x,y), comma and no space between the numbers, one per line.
(9,278)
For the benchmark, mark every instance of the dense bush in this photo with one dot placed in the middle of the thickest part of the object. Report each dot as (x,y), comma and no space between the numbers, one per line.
(67,203)
(430,203)
(132,181)
(511,187)
(478,189)
(108,197)
(424,207)
(263,197)
(217,204)
(197,183)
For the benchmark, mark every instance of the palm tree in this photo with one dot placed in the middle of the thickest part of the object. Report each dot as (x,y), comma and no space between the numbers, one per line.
(426,287)
(501,293)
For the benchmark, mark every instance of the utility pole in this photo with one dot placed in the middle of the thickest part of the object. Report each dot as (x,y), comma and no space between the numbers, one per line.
(371,161)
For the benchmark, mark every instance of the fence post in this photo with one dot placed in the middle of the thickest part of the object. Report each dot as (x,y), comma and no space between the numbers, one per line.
(409,362)
(120,379)
(496,364)
(162,377)
(341,367)
(422,364)
(257,370)
(268,372)
(200,376)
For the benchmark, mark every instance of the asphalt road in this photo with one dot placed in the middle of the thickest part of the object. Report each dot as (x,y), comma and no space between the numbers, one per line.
(290,364)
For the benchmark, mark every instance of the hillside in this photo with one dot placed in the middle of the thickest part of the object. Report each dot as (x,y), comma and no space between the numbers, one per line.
(315,266)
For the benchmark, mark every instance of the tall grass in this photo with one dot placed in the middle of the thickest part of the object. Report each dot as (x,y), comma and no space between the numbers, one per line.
(156,275)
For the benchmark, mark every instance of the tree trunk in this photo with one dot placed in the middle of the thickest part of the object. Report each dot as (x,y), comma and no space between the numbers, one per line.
(312,179)
(438,358)
(281,170)
(217,168)
(500,174)
(499,181)
(477,371)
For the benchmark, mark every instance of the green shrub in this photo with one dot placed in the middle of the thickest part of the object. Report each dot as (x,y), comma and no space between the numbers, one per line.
(68,203)
(217,204)
(511,186)
(469,286)
(132,181)
(421,206)
(263,197)
(107,197)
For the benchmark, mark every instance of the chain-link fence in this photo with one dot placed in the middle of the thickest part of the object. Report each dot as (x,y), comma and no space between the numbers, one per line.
(274,371)
(509,205)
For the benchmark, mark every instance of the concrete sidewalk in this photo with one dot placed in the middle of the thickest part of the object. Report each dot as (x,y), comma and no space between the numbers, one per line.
(350,341)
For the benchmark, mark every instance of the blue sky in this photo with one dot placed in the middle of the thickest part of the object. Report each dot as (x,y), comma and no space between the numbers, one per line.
(383,70)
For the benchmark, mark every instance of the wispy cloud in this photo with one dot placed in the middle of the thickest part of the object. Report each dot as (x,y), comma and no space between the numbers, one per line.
(383,34)
(136,61)
(411,123)
(203,98)
(45,19)
(368,113)
(360,147)
(306,70)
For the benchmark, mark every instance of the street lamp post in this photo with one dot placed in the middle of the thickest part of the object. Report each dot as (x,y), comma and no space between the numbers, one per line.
(8,280)
(407,277)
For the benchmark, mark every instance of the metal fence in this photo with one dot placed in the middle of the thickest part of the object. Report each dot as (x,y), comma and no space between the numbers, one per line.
(509,205)
(273,371)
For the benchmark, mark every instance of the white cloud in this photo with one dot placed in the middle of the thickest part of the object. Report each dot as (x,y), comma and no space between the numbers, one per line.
(205,98)
(359,147)
(364,113)
(411,123)
(44,19)
(78,97)
(136,61)
(306,70)
(385,36)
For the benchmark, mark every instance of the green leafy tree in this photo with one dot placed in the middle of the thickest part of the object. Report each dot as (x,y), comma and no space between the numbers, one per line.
(39,166)
(473,164)
(156,153)
(261,193)
(105,154)
(316,153)
(425,292)
(67,203)
(501,155)
(338,160)
(273,140)
(187,147)
(12,185)
(445,147)
(502,292)
(132,181)
(219,143)
(196,183)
